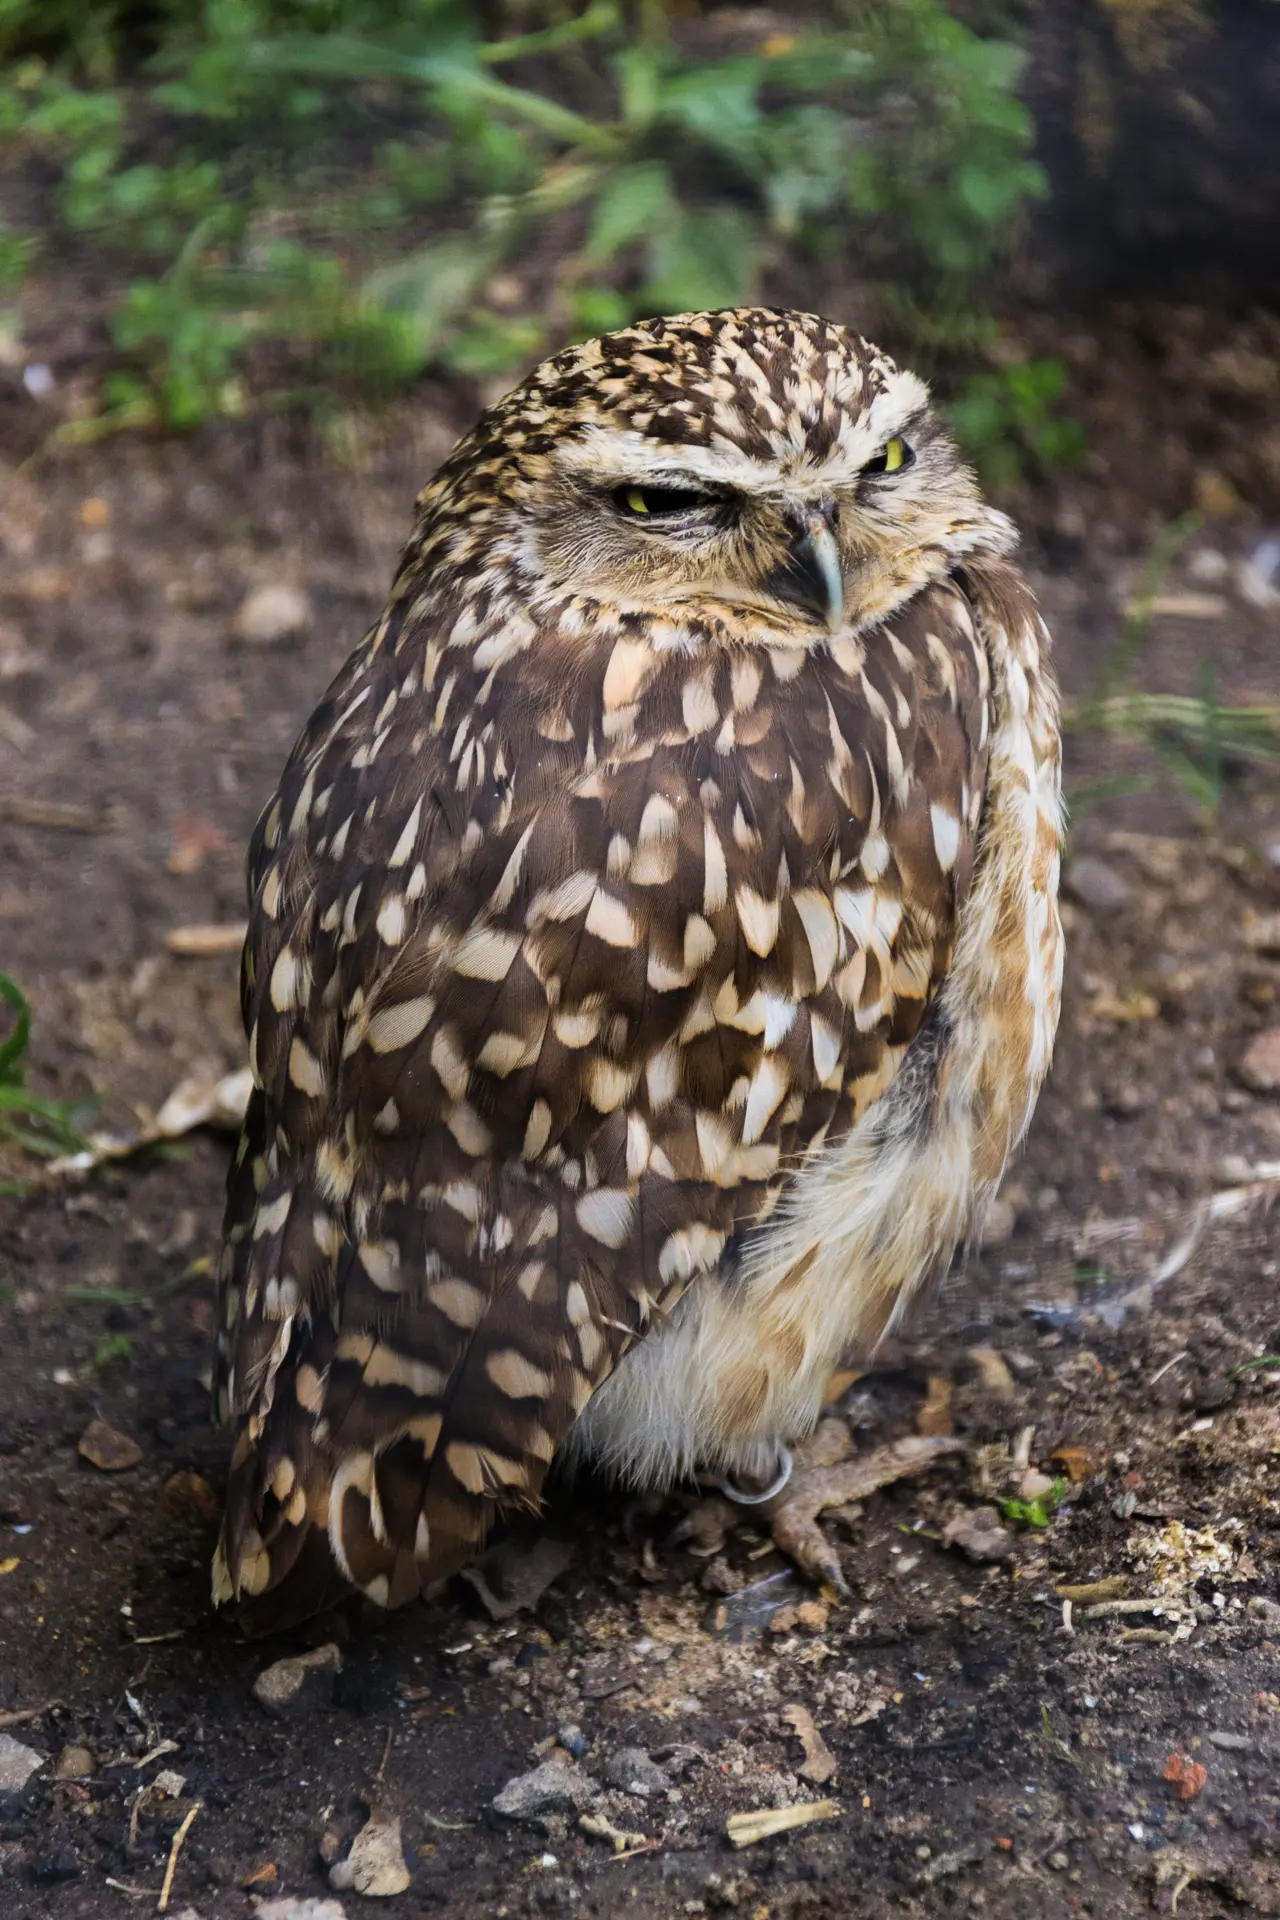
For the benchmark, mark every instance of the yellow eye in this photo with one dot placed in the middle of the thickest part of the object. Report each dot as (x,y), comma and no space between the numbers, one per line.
(896,455)
(654,502)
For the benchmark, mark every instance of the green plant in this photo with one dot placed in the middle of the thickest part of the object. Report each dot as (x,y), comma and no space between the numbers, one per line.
(1007,420)
(1037,1512)
(1193,736)
(28,1120)
(112,1347)
(307,195)
(78,1295)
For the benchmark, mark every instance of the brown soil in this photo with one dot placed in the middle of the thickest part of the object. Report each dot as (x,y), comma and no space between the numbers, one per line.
(990,1757)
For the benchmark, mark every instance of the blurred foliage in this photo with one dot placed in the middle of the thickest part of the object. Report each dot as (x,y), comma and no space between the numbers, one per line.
(1008,420)
(302,195)
(1197,741)
(27,1120)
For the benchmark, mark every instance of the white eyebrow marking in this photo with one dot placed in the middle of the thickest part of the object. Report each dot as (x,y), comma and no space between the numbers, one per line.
(617,454)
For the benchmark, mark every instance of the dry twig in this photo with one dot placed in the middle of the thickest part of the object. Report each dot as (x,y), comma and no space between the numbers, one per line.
(174,1851)
(745,1829)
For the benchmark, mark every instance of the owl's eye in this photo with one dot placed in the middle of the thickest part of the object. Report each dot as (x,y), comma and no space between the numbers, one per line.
(654,502)
(895,456)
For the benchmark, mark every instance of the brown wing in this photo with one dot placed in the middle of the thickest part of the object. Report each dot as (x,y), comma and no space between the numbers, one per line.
(561,954)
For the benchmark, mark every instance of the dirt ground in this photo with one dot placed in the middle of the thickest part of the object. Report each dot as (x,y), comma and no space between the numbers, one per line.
(995,1751)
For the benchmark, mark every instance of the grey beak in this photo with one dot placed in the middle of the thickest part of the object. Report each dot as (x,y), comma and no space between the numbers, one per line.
(818,557)
(811,577)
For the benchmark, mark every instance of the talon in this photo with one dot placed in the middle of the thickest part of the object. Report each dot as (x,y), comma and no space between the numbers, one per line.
(743,1498)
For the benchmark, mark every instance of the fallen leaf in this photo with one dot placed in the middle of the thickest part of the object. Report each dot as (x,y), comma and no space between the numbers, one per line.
(192,842)
(10,1565)
(105,1447)
(934,1417)
(994,1371)
(1261,931)
(264,1876)
(198,1102)
(46,583)
(375,1865)
(978,1534)
(1134,1006)
(202,942)
(1181,606)
(600,1679)
(1079,1463)
(188,1489)
(820,1763)
(811,1614)
(1114,1587)
(1185,1776)
(54,813)
(745,1829)
(272,612)
(517,1572)
(201,1102)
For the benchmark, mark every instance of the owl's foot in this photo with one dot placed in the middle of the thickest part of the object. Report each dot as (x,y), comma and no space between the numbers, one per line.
(793,1513)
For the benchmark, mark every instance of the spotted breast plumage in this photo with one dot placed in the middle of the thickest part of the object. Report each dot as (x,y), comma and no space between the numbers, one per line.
(654,953)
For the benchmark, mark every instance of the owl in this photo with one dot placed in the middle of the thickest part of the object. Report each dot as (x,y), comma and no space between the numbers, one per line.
(654,954)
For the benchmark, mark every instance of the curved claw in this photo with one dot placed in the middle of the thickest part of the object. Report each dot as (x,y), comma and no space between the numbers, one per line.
(743,1498)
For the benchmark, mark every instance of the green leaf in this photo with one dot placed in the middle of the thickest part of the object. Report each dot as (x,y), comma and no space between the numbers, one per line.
(634,202)
(598,310)
(990,193)
(431,286)
(719,103)
(704,258)
(491,343)
(639,75)
(20,1037)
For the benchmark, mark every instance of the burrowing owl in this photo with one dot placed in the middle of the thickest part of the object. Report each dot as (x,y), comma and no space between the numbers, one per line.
(654,952)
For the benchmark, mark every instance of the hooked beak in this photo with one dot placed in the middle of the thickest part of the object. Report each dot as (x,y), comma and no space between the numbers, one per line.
(811,577)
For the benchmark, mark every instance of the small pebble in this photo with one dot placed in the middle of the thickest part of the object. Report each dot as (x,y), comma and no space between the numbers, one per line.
(1208,566)
(73,1763)
(1260,1067)
(301,1680)
(17,1763)
(270,614)
(553,1787)
(1258,577)
(375,1865)
(632,1771)
(56,1863)
(1214,495)
(1217,1391)
(978,1534)
(108,1449)
(998,1224)
(289,1907)
(1034,1485)
(1096,885)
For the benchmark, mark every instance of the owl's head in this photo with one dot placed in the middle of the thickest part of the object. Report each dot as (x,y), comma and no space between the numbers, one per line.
(763,475)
